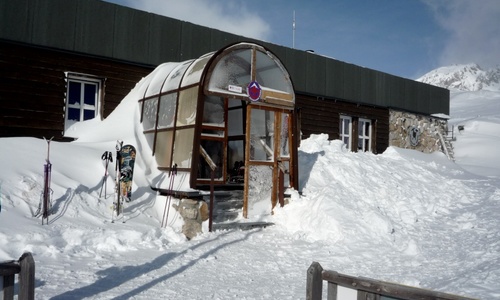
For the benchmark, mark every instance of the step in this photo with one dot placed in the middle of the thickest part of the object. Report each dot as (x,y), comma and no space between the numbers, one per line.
(241,225)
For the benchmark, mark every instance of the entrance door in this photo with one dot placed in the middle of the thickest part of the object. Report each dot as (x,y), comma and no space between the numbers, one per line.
(267,159)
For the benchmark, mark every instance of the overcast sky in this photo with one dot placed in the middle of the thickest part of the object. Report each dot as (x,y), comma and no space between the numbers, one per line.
(402,37)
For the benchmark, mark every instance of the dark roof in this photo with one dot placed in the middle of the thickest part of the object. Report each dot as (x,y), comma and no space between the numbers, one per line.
(98,28)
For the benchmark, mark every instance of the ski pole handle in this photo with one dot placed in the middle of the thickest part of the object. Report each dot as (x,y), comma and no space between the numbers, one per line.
(107,156)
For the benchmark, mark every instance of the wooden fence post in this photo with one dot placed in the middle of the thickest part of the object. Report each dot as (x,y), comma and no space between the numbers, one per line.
(8,287)
(8,271)
(314,288)
(27,277)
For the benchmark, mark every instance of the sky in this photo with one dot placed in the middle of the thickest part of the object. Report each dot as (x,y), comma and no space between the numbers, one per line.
(405,38)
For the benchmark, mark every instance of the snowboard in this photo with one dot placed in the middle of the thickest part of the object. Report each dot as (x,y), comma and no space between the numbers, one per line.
(126,160)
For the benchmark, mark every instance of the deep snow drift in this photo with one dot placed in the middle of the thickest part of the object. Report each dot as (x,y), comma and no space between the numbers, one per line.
(402,216)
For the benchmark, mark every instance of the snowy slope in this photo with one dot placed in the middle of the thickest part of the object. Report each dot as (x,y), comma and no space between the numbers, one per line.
(475,105)
(468,77)
(402,216)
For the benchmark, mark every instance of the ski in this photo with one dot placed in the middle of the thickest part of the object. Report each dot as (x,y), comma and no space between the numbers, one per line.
(125,161)
(47,191)
(117,201)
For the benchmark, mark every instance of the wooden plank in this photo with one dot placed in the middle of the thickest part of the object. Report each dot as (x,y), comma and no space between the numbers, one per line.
(332,291)
(33,80)
(386,288)
(27,277)
(9,268)
(8,287)
(314,284)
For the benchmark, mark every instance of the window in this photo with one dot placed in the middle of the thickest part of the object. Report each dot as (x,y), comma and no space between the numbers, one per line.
(82,99)
(364,135)
(345,130)
(354,130)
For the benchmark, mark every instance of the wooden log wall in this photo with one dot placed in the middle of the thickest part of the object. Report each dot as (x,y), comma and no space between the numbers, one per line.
(33,87)
(318,115)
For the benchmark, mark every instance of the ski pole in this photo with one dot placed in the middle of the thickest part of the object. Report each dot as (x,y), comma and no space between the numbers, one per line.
(108,157)
(173,172)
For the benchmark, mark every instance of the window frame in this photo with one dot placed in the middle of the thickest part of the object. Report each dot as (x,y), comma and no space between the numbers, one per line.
(82,79)
(342,133)
(362,137)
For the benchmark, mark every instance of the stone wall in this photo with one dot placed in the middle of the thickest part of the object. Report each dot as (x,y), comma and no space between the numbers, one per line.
(412,131)
(194,213)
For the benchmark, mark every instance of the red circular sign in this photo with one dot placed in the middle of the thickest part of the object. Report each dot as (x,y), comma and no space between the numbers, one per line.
(254,91)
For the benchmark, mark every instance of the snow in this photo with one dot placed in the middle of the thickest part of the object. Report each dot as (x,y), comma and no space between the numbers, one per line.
(464,77)
(401,216)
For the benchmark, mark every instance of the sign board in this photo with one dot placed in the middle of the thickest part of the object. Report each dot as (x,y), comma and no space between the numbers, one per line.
(254,91)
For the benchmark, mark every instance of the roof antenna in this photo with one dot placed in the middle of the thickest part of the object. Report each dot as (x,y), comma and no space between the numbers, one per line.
(293,31)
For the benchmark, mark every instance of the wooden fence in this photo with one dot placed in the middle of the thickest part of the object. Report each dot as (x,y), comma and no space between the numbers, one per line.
(25,267)
(367,289)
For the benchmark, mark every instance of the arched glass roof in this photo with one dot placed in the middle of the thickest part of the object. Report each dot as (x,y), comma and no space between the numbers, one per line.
(174,94)
(239,65)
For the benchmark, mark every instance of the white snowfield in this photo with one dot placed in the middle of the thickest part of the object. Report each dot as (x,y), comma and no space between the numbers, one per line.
(401,216)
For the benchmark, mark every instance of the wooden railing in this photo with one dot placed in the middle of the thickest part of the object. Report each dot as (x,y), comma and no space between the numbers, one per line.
(366,288)
(25,267)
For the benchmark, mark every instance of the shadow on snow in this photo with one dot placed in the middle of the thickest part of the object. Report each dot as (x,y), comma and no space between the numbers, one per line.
(116,276)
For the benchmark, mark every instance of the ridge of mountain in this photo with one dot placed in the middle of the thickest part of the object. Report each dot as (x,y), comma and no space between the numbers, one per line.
(464,77)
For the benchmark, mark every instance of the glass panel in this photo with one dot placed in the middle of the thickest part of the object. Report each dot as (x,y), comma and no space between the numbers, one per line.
(194,72)
(262,132)
(168,104)
(188,99)
(183,147)
(347,126)
(345,130)
(364,134)
(232,70)
(163,151)
(74,92)
(73,114)
(235,103)
(174,78)
(286,177)
(214,150)
(149,114)
(150,138)
(213,111)
(158,78)
(235,161)
(259,190)
(90,94)
(88,114)
(270,74)
(284,142)
(235,122)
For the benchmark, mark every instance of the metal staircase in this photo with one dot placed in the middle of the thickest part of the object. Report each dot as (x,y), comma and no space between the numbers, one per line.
(446,143)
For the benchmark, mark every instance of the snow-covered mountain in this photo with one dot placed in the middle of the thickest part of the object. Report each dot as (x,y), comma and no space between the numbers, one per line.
(468,77)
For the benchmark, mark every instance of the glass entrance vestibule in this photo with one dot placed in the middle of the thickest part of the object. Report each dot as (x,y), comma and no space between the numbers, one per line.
(226,118)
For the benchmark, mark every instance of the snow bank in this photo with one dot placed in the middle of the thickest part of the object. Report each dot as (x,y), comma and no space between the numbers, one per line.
(401,216)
